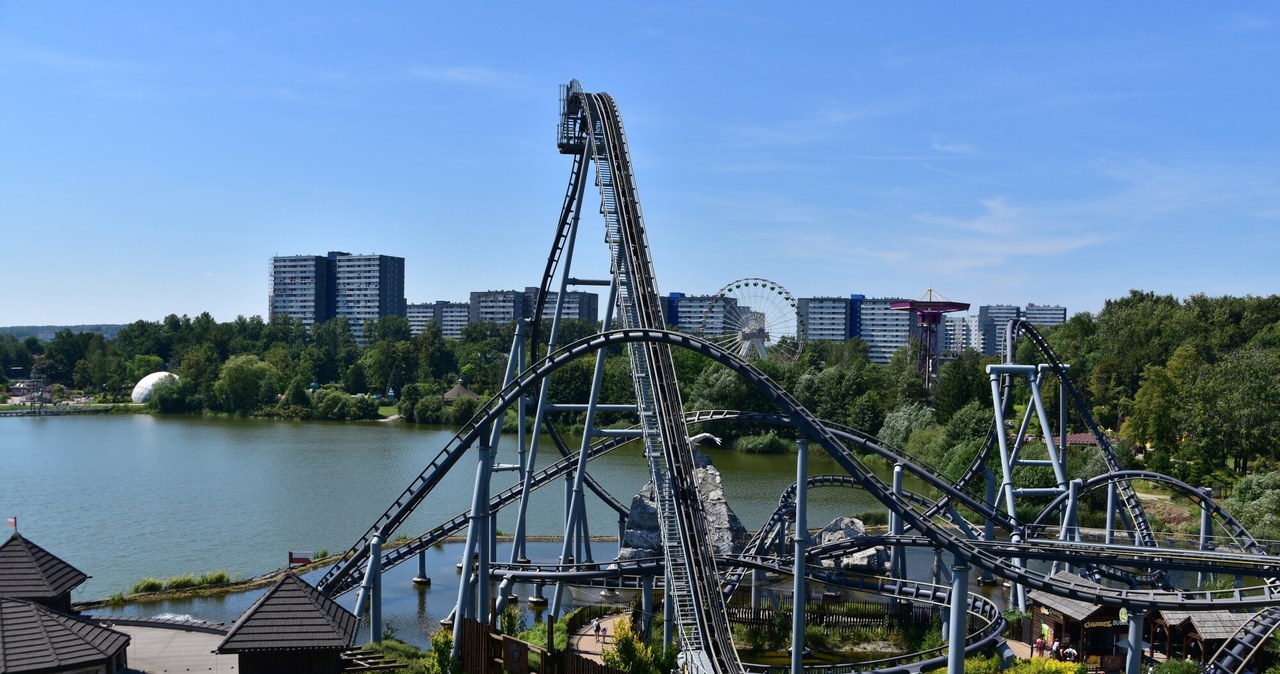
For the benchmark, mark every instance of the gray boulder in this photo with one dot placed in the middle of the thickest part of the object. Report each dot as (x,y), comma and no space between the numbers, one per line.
(871,560)
(641,536)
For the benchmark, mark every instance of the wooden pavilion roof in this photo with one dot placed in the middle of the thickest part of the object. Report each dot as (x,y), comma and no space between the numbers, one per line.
(28,571)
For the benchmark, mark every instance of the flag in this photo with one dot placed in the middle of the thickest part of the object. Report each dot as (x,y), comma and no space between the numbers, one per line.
(296,558)
(11,522)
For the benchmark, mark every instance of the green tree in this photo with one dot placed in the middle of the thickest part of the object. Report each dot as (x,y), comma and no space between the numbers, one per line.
(244,384)
(332,350)
(960,382)
(143,365)
(1154,416)
(902,422)
(435,357)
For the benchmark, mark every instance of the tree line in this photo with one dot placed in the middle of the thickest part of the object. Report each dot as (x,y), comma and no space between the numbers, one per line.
(1193,380)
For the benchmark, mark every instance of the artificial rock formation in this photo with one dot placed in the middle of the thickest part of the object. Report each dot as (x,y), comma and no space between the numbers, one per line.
(642,538)
(871,560)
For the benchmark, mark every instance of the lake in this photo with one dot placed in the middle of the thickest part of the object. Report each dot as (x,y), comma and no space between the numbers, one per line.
(123,497)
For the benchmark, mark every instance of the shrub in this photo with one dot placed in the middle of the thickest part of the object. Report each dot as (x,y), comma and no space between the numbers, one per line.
(147,585)
(1051,666)
(181,582)
(1177,666)
(537,635)
(873,518)
(629,654)
(429,410)
(769,443)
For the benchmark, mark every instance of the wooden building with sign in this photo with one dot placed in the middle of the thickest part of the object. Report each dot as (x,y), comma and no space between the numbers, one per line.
(1193,634)
(1096,632)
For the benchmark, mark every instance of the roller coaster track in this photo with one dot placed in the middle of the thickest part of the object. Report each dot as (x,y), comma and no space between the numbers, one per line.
(691,581)
(1142,527)
(992,621)
(987,556)
(591,130)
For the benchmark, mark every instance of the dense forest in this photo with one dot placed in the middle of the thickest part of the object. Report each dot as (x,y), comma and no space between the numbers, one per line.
(1192,383)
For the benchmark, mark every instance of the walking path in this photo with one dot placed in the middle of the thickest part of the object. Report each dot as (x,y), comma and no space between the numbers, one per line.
(584,642)
(157,650)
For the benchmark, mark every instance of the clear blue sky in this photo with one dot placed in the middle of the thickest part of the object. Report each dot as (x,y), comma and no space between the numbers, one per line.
(155,155)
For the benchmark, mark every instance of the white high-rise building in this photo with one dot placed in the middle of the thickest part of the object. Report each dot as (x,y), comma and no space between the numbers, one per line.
(317,288)
(704,314)
(1045,315)
(367,287)
(993,320)
(826,318)
(963,334)
(497,306)
(578,305)
(884,329)
(300,287)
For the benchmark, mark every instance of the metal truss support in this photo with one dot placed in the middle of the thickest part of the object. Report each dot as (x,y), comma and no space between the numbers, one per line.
(477,534)
(799,592)
(989,529)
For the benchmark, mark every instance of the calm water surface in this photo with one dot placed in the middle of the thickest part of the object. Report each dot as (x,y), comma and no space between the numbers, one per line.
(127,497)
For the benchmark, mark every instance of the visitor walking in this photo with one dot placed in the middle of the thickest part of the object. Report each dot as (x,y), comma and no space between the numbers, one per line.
(595,626)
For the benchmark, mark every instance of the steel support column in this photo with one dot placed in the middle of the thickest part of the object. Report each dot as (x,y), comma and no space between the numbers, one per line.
(1133,662)
(799,591)
(959,618)
(1206,529)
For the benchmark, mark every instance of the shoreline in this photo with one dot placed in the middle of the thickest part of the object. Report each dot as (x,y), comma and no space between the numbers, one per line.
(270,577)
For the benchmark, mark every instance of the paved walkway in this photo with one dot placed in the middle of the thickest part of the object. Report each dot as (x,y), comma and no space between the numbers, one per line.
(157,650)
(584,642)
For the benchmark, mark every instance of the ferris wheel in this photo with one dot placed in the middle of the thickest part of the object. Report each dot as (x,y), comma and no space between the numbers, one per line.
(754,318)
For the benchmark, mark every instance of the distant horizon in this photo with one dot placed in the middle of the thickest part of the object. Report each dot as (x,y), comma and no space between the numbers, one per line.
(1063,154)
(973,309)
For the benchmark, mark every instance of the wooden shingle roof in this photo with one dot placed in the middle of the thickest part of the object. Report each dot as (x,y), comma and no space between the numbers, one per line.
(1072,608)
(292,616)
(34,638)
(459,391)
(28,571)
(1211,625)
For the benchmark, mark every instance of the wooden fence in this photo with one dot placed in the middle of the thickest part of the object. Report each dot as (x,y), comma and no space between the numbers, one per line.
(838,616)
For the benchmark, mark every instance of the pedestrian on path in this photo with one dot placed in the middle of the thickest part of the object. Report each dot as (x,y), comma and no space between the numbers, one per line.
(604,634)
(595,626)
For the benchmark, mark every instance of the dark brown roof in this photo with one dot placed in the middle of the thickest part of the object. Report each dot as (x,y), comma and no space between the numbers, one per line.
(460,391)
(28,571)
(36,638)
(291,616)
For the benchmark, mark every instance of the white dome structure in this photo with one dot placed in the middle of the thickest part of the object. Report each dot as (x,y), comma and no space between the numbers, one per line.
(142,391)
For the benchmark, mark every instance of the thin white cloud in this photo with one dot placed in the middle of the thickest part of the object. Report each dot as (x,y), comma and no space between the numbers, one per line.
(1246,23)
(953,148)
(65,61)
(466,76)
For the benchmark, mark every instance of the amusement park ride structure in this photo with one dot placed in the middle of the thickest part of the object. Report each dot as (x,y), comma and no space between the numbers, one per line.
(973,520)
